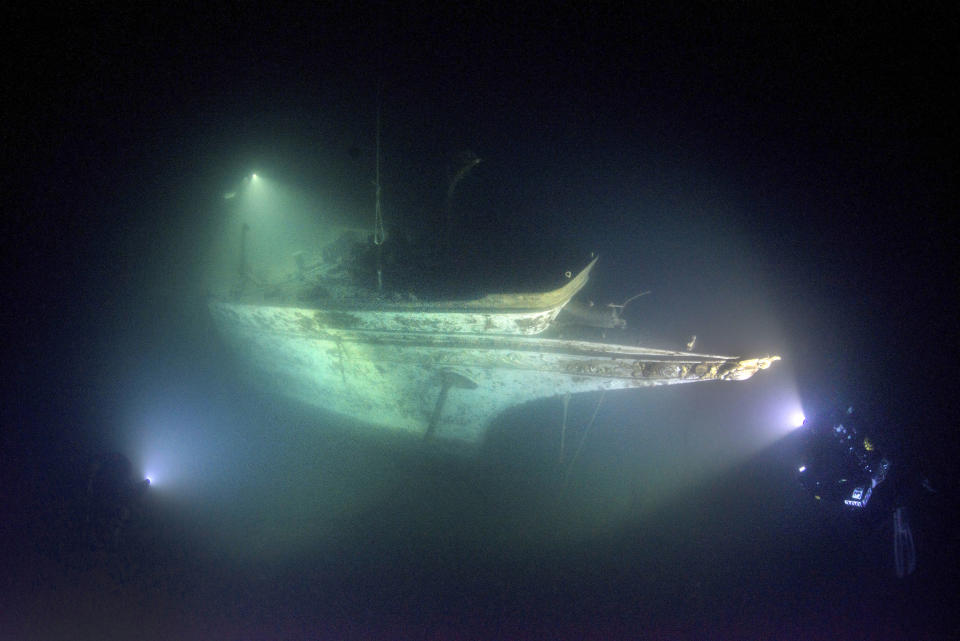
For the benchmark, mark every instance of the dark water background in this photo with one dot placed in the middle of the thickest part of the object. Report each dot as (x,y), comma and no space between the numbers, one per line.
(781,182)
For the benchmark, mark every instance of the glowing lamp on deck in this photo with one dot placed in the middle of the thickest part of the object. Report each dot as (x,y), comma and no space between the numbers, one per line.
(797,419)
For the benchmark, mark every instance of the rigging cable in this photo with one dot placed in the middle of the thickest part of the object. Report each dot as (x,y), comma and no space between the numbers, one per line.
(378,232)
(583,439)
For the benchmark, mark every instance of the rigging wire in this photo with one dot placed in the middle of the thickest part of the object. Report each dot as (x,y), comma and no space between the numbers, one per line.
(379,235)
(378,231)
(563,427)
(583,439)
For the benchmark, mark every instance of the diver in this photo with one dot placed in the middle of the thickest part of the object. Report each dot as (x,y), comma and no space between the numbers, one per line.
(842,462)
(843,466)
(112,498)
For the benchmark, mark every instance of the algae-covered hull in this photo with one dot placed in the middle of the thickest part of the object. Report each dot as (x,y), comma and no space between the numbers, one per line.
(451,385)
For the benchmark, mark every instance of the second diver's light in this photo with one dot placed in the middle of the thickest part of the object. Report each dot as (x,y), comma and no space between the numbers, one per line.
(797,419)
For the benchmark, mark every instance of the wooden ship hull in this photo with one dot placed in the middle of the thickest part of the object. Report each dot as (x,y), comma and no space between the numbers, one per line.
(444,370)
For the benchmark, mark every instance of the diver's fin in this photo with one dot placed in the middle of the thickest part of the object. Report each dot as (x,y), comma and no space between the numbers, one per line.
(904,552)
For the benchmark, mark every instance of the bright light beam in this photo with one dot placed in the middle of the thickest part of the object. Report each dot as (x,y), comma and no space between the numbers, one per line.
(797,418)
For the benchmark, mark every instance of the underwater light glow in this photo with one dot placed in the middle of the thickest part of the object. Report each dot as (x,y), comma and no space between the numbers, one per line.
(150,476)
(797,418)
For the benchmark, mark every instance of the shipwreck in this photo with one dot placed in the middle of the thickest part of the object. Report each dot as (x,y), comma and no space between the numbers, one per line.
(437,369)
